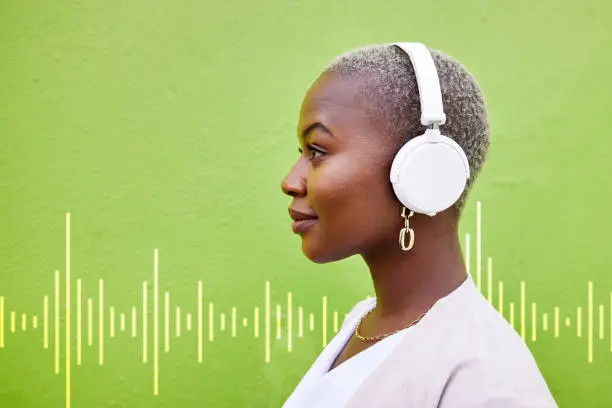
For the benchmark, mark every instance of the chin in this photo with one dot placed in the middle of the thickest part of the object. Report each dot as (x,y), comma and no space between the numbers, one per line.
(319,253)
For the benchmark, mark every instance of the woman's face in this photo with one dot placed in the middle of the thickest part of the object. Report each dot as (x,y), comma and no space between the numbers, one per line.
(342,198)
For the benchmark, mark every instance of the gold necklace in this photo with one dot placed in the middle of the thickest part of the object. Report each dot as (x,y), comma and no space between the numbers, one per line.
(382,336)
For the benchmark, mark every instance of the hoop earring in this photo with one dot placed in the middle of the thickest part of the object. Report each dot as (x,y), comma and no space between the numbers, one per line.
(406,230)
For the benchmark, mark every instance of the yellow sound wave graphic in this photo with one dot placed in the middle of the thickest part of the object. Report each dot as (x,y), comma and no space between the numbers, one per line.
(165,320)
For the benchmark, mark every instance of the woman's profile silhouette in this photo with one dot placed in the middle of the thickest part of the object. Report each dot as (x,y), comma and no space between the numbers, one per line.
(387,159)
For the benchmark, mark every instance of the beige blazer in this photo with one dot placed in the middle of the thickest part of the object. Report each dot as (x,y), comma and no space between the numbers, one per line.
(464,356)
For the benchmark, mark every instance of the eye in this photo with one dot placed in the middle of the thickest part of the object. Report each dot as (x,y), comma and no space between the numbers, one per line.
(314,152)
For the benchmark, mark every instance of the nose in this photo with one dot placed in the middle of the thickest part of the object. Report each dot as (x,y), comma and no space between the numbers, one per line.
(294,183)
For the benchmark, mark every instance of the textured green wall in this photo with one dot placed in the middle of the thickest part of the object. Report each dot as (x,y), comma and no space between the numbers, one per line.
(169,126)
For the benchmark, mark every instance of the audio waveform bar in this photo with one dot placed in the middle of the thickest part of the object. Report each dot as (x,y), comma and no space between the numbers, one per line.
(171,321)
(521,326)
(108,316)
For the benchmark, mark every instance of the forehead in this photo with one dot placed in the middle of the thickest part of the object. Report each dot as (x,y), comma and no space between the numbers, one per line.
(335,100)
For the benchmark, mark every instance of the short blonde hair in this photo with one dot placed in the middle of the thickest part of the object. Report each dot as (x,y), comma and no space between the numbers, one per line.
(392,89)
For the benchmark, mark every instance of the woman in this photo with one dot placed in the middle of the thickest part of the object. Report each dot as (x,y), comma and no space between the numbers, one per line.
(429,338)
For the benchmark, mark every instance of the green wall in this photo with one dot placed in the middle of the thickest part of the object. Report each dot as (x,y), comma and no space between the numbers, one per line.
(169,126)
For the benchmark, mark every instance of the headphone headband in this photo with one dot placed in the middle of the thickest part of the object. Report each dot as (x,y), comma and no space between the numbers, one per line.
(432,108)
(430,171)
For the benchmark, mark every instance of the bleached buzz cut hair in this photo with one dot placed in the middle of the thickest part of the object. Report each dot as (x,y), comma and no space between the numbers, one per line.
(392,91)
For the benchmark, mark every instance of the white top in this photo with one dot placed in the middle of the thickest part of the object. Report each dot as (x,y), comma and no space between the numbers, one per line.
(506,370)
(323,388)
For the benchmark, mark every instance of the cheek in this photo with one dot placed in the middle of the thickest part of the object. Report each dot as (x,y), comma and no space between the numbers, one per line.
(331,187)
(352,199)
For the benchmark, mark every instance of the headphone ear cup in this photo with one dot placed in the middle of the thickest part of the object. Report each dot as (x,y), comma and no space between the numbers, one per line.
(429,174)
(398,174)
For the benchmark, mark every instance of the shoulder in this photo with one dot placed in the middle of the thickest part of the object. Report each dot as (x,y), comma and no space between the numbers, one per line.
(508,402)
(494,366)
(479,385)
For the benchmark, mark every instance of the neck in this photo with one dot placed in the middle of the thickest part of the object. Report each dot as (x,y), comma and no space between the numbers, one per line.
(408,283)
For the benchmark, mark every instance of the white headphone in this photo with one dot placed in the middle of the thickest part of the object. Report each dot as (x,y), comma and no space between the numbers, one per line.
(430,171)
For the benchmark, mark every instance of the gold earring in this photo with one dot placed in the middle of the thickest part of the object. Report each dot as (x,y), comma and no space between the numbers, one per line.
(406,230)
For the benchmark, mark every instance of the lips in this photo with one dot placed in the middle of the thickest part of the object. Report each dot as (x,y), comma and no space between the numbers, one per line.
(302,221)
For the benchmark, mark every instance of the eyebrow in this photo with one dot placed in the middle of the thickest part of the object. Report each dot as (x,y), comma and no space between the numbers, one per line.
(312,127)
